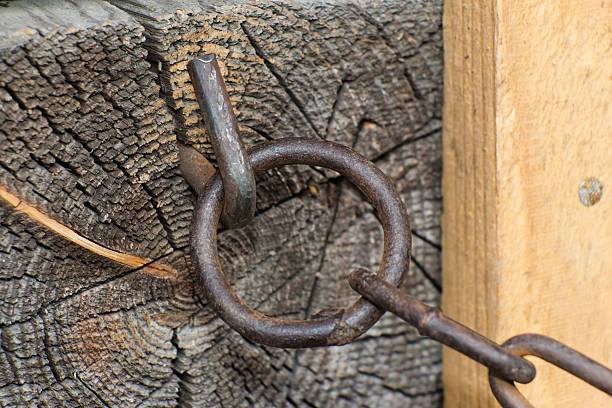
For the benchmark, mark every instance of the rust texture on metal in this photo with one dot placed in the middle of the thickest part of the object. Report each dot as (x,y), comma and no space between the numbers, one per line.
(335,327)
(194,167)
(555,353)
(230,195)
(432,323)
(236,171)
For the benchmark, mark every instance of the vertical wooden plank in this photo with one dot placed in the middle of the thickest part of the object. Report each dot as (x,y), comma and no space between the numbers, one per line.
(526,118)
(468,186)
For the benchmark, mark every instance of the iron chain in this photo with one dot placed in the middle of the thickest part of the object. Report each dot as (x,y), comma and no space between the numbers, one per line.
(232,192)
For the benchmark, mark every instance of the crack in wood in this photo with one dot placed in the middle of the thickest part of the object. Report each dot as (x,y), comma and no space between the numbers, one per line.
(427,275)
(411,395)
(160,216)
(182,390)
(146,265)
(298,104)
(398,146)
(46,306)
(427,240)
(90,388)
(51,361)
(339,94)
(315,282)
(326,242)
(412,83)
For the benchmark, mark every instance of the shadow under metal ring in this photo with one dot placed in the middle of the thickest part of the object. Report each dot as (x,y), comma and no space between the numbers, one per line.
(336,327)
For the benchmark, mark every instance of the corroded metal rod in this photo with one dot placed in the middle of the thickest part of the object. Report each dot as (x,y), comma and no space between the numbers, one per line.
(432,323)
(234,166)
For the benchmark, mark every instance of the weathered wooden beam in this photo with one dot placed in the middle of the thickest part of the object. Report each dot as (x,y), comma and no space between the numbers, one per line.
(526,119)
(95,100)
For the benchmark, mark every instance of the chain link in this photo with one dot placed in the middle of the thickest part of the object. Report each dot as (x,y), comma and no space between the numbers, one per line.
(504,362)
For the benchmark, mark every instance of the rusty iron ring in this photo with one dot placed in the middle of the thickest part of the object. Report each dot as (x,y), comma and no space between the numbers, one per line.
(555,353)
(336,327)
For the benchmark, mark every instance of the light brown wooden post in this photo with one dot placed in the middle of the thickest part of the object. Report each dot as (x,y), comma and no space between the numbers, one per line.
(527,117)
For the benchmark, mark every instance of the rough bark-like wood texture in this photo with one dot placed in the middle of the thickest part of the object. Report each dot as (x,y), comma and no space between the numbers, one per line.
(95,98)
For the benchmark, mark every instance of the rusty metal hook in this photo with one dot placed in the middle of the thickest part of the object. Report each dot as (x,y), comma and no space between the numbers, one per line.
(335,327)
(234,166)
(555,353)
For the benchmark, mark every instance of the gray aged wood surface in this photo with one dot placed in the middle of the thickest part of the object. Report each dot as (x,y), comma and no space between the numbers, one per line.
(94,99)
